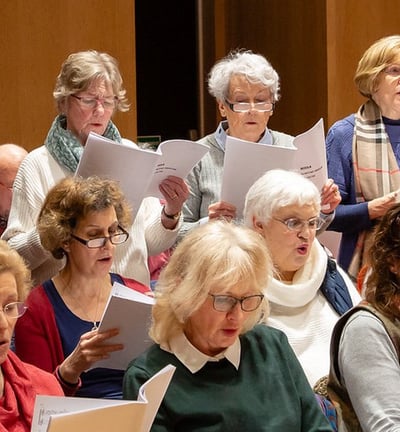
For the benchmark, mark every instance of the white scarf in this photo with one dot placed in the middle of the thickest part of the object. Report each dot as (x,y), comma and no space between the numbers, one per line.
(306,281)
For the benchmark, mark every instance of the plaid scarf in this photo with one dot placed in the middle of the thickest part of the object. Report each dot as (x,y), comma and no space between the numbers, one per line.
(376,172)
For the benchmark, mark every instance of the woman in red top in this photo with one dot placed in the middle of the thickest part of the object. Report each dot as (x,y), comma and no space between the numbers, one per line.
(19,382)
(82,221)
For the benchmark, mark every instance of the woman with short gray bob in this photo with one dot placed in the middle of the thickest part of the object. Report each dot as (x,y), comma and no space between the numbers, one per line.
(246,88)
(309,291)
(255,67)
(208,302)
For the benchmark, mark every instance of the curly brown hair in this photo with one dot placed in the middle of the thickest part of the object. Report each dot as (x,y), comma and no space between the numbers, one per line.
(72,199)
(383,284)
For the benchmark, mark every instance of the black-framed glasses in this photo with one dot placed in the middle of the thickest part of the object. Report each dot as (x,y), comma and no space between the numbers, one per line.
(225,303)
(99,242)
(92,102)
(393,70)
(295,224)
(14,309)
(242,107)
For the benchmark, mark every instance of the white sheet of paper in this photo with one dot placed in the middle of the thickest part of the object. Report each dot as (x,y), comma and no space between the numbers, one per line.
(130,312)
(246,161)
(138,171)
(66,414)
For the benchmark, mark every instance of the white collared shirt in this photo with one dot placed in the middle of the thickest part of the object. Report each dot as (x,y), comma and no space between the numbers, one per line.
(194,359)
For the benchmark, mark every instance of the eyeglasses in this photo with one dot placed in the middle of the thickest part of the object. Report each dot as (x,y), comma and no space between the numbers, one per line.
(91,103)
(242,107)
(225,303)
(295,224)
(14,309)
(99,242)
(393,71)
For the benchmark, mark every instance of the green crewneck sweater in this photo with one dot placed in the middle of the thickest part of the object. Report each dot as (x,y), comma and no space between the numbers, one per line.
(269,392)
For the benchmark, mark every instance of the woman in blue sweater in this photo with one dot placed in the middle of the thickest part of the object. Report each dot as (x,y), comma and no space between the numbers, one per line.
(364,152)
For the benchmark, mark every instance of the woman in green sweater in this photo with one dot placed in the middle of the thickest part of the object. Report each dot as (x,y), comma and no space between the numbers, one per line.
(231,374)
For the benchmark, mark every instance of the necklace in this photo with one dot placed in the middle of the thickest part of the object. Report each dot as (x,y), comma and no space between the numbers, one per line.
(79,304)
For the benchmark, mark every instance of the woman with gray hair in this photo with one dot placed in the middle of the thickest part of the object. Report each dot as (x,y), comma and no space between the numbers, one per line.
(246,88)
(230,374)
(88,91)
(308,292)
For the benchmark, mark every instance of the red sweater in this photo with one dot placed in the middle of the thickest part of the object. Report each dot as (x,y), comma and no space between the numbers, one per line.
(37,339)
(22,382)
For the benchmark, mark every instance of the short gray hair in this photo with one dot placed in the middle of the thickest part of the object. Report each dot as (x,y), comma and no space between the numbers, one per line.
(276,189)
(255,67)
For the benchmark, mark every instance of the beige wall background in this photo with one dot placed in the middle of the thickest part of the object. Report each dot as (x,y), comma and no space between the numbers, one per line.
(314,45)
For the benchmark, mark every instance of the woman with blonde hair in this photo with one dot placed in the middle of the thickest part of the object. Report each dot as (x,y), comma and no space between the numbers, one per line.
(231,374)
(20,382)
(363,153)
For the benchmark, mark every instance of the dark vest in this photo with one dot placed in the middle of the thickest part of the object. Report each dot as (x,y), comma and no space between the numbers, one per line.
(335,290)
(337,392)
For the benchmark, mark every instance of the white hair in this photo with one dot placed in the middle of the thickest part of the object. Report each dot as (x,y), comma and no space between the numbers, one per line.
(276,189)
(255,67)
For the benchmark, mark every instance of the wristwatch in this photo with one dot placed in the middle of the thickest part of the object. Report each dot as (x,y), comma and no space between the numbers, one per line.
(173,217)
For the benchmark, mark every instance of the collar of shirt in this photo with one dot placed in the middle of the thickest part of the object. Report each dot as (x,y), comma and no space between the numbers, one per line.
(220,135)
(194,359)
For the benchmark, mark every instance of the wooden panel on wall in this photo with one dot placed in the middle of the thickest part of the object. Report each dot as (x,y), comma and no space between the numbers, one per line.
(292,35)
(352,26)
(37,36)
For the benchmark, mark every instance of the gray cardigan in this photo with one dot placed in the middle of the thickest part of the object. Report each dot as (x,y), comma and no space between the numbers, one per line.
(205,179)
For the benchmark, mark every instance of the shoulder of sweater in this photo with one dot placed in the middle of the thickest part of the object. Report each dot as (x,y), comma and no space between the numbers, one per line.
(281,138)
(209,140)
(39,158)
(38,297)
(343,124)
(267,333)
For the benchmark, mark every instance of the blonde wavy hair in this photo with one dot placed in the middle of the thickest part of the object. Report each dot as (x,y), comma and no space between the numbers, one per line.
(217,254)
(374,61)
(12,262)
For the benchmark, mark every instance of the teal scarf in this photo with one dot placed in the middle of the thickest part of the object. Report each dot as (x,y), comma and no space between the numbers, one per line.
(65,148)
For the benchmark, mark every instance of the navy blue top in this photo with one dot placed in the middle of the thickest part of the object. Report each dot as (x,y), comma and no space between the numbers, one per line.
(97,382)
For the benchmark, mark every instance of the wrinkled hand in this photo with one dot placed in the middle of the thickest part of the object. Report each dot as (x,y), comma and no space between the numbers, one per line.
(379,206)
(330,197)
(176,192)
(221,210)
(92,347)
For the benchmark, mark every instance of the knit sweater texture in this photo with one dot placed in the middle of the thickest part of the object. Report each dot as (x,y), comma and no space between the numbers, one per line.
(268,392)
(38,173)
(205,179)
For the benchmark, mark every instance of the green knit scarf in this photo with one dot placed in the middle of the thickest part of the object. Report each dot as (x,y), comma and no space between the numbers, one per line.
(65,147)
